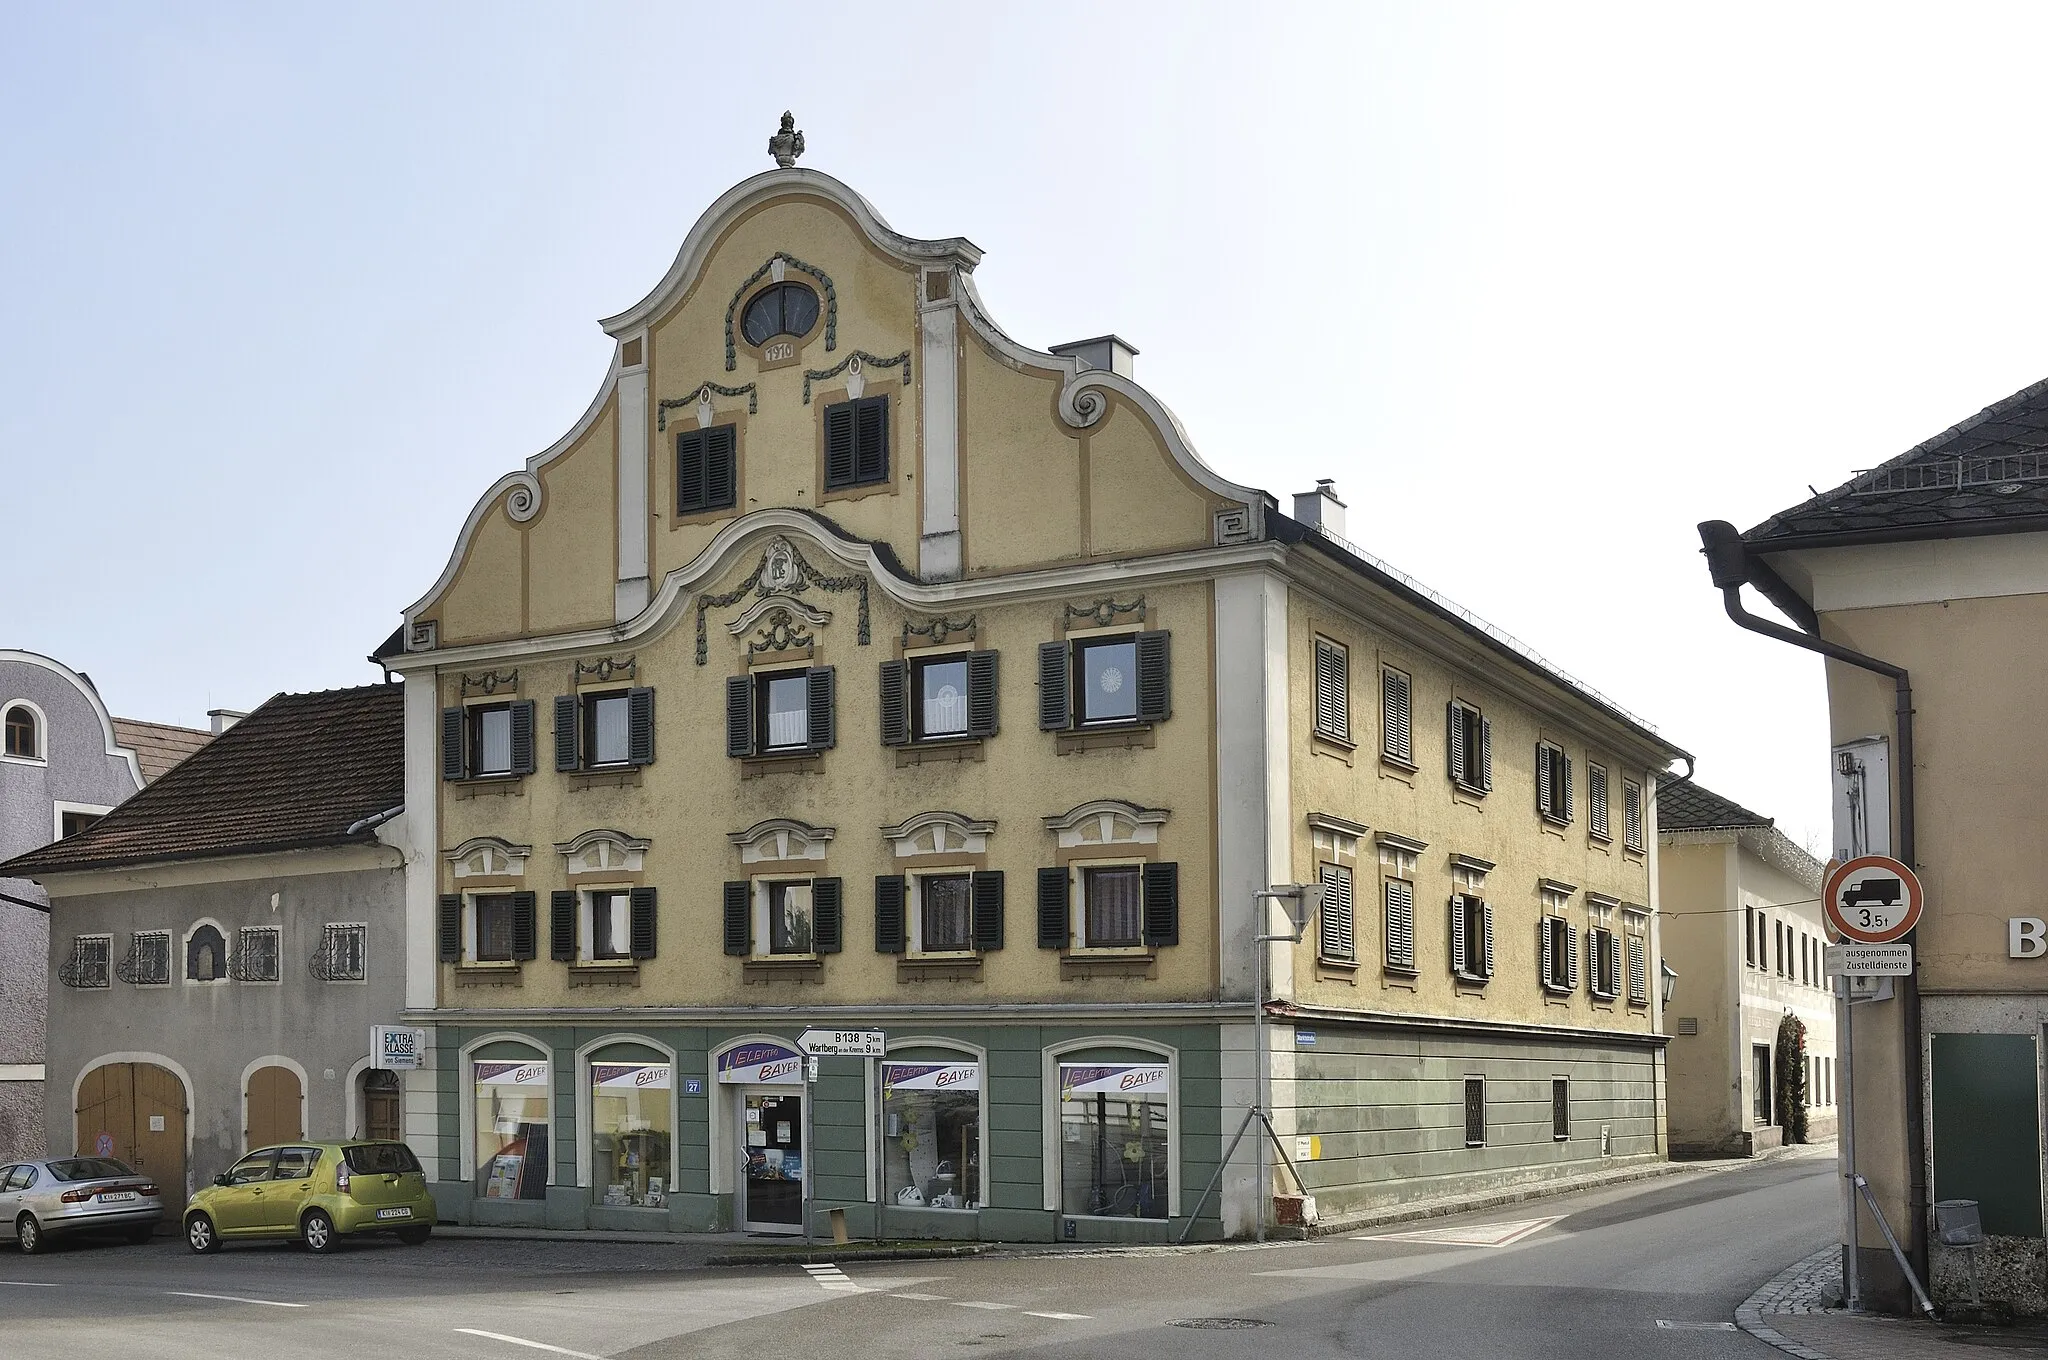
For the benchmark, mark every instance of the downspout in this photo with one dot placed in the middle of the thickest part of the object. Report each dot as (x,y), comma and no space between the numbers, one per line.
(1730,564)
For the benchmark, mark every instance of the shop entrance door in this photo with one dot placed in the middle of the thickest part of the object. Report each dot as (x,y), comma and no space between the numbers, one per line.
(772,1141)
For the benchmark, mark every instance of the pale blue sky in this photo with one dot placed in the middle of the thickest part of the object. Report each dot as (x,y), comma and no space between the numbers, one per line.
(286,287)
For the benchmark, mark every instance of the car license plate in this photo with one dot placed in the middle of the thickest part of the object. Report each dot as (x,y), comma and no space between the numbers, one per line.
(115,1196)
(394,1213)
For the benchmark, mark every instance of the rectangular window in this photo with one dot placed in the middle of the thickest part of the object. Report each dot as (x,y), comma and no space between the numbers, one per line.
(1760,1079)
(1470,737)
(1397,723)
(149,959)
(1638,971)
(255,958)
(494,914)
(941,707)
(343,954)
(611,928)
(1400,903)
(931,1122)
(1336,933)
(1115,1147)
(1475,1112)
(792,919)
(944,914)
(511,1129)
(490,739)
(1106,673)
(784,702)
(604,729)
(1112,907)
(1558,957)
(1471,938)
(1333,691)
(1596,803)
(1749,935)
(857,443)
(630,1132)
(707,470)
(1631,815)
(1603,958)
(71,823)
(1553,783)
(1560,1109)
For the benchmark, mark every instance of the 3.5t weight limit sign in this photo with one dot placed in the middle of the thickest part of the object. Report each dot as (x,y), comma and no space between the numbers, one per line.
(1872,899)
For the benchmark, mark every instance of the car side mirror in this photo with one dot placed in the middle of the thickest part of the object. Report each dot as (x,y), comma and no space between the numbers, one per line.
(223,1179)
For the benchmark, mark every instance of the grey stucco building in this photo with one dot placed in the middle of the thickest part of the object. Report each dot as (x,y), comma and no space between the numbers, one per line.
(64,761)
(221,945)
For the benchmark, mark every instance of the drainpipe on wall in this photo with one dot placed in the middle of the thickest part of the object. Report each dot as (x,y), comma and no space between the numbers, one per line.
(1732,566)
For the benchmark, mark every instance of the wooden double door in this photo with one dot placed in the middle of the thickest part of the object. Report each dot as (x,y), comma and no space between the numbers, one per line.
(136,1112)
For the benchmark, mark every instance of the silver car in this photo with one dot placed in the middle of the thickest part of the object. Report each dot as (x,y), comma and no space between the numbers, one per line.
(39,1200)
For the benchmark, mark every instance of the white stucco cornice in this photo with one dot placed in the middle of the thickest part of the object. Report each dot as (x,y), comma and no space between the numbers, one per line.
(751,532)
(749,194)
(92,696)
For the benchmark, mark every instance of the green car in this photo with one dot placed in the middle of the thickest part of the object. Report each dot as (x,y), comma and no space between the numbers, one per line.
(318,1193)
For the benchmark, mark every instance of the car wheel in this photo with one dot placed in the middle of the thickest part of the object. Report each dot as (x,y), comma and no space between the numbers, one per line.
(412,1237)
(317,1231)
(200,1234)
(29,1235)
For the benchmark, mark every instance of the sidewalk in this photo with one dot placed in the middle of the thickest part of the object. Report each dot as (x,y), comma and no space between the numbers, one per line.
(1800,1313)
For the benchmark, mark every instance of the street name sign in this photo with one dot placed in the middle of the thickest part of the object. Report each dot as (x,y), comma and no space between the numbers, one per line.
(1867,960)
(843,1043)
(1872,899)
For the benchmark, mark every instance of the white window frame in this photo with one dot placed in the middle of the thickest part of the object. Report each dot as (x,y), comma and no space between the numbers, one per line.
(1049,1116)
(59,808)
(170,958)
(913,908)
(108,938)
(183,962)
(586,925)
(1077,910)
(363,928)
(1563,946)
(42,755)
(763,895)
(469,927)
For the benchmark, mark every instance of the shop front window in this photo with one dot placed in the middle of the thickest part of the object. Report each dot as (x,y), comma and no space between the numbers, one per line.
(630,1132)
(1114,1119)
(931,1134)
(511,1130)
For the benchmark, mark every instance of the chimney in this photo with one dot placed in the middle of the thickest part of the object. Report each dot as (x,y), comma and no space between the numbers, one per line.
(224,718)
(1320,508)
(1109,353)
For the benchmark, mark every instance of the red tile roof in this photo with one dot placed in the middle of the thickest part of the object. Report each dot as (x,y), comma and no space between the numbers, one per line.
(158,746)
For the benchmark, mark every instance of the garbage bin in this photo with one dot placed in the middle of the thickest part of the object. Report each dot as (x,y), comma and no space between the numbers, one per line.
(1958,1223)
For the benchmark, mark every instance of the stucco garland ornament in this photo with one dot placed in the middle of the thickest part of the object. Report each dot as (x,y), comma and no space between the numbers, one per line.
(783,571)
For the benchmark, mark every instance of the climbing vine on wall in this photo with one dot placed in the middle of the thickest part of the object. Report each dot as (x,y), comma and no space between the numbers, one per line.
(1791,1082)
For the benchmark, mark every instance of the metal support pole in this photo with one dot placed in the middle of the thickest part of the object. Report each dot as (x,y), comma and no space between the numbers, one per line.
(809,1063)
(1260,1075)
(1852,1268)
(1898,1252)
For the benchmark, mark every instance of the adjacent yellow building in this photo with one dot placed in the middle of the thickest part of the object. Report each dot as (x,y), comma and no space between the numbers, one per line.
(851,665)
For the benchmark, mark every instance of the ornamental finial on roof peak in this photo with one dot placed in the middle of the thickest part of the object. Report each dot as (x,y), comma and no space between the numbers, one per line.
(788,143)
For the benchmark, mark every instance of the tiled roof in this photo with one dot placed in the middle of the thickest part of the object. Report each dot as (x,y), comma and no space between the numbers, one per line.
(1987,475)
(158,746)
(1688,807)
(296,773)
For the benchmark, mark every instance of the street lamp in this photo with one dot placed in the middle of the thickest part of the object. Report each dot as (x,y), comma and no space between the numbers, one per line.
(1670,975)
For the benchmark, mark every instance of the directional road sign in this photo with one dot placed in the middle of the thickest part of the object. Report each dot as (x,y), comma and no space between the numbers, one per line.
(1872,899)
(843,1043)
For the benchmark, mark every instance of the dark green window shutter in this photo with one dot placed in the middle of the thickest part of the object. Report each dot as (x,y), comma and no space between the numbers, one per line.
(895,703)
(739,715)
(823,735)
(640,726)
(986,895)
(739,917)
(522,738)
(827,918)
(452,765)
(721,467)
(565,731)
(871,439)
(889,913)
(451,927)
(1053,929)
(1055,702)
(840,465)
(640,905)
(981,694)
(1162,904)
(524,926)
(562,926)
(1155,676)
(690,472)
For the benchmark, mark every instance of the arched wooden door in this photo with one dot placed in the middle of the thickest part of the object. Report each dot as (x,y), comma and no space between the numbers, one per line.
(275,1099)
(136,1112)
(380,1106)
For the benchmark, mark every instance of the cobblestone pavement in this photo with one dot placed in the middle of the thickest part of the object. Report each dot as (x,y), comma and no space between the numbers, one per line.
(1800,1313)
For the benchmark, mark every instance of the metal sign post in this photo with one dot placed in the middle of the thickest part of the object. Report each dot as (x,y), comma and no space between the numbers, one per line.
(1852,1269)
(809,1153)
(845,1043)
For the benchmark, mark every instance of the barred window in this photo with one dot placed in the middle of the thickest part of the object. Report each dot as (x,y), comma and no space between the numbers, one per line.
(149,959)
(90,963)
(255,957)
(343,949)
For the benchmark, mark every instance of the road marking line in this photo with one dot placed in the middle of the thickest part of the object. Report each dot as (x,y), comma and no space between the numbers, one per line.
(28,1284)
(1471,1235)
(974,1303)
(1695,1326)
(923,1298)
(1061,1317)
(534,1345)
(231,1298)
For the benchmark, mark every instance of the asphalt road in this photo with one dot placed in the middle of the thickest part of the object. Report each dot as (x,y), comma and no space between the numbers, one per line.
(1589,1274)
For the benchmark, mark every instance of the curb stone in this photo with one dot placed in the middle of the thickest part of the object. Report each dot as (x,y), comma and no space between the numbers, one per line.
(1794,1281)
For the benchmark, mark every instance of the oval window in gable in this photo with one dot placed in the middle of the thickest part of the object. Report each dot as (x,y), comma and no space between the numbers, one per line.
(783,309)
